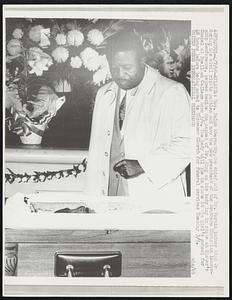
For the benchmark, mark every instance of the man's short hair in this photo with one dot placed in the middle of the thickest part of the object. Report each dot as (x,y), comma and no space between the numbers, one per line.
(125,40)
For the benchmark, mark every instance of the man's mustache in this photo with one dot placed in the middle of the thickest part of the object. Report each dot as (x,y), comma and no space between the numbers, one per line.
(121,79)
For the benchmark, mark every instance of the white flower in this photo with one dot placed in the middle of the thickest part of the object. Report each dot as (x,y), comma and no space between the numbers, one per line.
(34,53)
(35,33)
(88,53)
(14,47)
(39,66)
(91,59)
(34,68)
(95,37)
(179,50)
(81,168)
(60,39)
(60,54)
(101,76)
(17,33)
(39,61)
(76,62)
(93,64)
(45,34)
(75,38)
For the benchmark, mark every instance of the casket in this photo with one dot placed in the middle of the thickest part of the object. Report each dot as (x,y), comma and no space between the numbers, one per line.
(119,237)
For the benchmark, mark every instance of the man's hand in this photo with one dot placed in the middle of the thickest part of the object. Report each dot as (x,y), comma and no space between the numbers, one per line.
(128,168)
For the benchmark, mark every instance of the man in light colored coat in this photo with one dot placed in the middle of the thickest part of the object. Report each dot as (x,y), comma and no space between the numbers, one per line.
(145,148)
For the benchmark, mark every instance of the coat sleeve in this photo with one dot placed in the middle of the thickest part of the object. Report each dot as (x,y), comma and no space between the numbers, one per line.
(165,163)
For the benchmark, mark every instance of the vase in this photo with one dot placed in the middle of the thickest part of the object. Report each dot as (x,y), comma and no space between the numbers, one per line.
(62,86)
(32,139)
(35,136)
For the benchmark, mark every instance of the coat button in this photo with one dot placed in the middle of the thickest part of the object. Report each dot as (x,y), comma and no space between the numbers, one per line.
(122,154)
(106,154)
(103,173)
(108,132)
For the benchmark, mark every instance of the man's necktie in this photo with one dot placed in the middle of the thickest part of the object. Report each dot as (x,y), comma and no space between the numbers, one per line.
(122,111)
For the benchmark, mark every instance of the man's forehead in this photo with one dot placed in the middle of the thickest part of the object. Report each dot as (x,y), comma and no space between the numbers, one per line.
(130,55)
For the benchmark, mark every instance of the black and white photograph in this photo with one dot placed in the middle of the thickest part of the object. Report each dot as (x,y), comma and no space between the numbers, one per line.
(98,150)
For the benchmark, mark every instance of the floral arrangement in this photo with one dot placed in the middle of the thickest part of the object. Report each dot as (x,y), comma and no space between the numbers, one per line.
(75,48)
(48,56)
(31,103)
(32,121)
(44,59)
(183,53)
(164,53)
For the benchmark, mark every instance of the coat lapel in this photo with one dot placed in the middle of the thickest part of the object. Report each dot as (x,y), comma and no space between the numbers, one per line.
(143,90)
(111,93)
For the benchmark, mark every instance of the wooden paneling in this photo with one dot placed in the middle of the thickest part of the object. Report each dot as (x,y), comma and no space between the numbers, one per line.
(71,289)
(145,253)
(138,259)
(96,236)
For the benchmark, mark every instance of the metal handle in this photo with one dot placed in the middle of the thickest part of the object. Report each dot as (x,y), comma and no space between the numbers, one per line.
(106,271)
(88,264)
(69,269)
